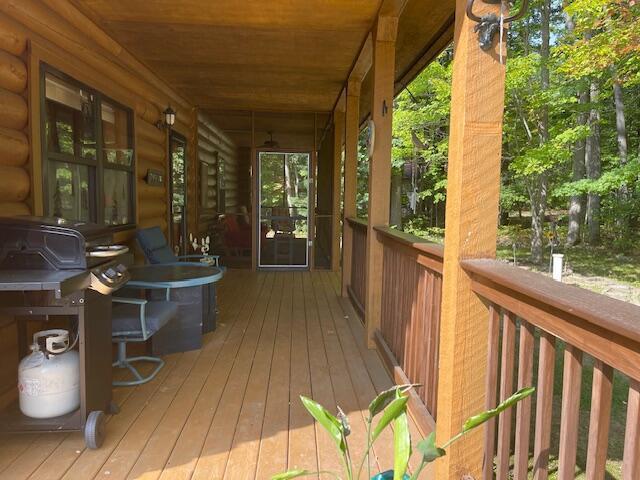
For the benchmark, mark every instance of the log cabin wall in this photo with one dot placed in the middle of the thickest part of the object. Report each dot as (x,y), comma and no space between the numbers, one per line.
(216,154)
(32,35)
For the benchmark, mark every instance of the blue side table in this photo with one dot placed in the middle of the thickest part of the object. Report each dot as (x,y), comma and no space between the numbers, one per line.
(193,287)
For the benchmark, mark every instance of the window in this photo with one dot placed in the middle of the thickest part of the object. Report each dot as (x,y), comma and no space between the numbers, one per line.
(88,152)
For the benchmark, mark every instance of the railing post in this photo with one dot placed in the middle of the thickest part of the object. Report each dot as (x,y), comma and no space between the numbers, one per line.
(352,132)
(338,140)
(473,188)
(384,50)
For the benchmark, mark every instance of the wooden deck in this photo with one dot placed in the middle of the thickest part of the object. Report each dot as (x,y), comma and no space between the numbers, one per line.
(231,410)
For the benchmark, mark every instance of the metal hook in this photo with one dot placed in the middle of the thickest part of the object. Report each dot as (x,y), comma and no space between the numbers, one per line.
(489,24)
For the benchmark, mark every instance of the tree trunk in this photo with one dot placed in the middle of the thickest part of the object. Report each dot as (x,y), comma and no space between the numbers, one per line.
(395,213)
(622,219)
(538,195)
(577,203)
(593,166)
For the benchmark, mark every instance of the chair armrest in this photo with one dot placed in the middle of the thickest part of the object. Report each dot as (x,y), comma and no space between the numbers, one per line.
(141,302)
(216,258)
(131,301)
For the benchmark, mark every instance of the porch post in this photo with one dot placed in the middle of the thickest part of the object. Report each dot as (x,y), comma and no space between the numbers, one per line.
(338,139)
(473,188)
(352,132)
(384,50)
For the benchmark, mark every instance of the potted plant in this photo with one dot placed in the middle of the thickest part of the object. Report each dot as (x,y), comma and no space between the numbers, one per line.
(391,407)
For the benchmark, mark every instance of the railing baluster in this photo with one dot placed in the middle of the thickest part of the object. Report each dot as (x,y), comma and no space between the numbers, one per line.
(523,415)
(491,388)
(434,328)
(506,389)
(571,383)
(601,394)
(631,459)
(544,406)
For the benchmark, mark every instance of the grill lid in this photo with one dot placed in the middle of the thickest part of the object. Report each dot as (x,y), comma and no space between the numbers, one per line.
(43,243)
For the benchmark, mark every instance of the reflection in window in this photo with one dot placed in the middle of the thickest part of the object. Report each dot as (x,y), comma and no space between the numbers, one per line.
(116,138)
(69,186)
(117,197)
(70,119)
(86,180)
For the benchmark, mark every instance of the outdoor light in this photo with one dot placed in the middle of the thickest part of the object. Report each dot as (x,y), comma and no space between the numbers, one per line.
(490,24)
(169,118)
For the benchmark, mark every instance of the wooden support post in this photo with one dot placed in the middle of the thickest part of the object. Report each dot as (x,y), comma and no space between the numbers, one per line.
(338,140)
(352,132)
(473,188)
(255,214)
(384,51)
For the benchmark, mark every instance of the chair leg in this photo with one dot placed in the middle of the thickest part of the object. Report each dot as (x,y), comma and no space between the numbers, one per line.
(127,362)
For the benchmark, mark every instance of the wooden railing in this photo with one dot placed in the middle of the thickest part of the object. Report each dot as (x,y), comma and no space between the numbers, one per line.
(410,325)
(536,328)
(359,263)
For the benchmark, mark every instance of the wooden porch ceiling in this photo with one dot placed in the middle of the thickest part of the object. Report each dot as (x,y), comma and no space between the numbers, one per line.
(280,55)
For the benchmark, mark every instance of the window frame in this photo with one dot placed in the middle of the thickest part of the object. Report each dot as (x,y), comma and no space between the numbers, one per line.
(97,204)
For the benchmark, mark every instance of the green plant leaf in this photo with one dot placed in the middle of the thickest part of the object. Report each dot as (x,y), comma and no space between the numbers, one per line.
(427,447)
(291,474)
(379,403)
(330,423)
(477,420)
(401,446)
(395,408)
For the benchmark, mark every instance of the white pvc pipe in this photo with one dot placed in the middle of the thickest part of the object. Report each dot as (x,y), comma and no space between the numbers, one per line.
(558,259)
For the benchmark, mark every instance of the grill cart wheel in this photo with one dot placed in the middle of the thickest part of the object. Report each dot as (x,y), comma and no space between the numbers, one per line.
(94,430)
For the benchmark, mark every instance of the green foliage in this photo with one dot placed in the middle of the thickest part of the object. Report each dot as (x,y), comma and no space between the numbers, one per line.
(592,41)
(392,405)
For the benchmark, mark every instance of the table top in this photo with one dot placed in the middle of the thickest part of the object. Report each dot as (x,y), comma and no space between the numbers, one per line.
(172,276)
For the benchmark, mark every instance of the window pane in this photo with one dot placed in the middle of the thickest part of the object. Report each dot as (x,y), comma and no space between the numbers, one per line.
(117,197)
(116,138)
(70,119)
(68,191)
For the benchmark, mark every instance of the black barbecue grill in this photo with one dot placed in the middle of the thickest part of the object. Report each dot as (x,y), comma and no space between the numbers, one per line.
(58,270)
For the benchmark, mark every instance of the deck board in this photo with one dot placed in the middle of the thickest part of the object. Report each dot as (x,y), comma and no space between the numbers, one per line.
(231,409)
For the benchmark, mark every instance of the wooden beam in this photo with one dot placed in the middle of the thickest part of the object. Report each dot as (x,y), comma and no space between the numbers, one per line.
(363,63)
(352,133)
(473,189)
(384,52)
(338,140)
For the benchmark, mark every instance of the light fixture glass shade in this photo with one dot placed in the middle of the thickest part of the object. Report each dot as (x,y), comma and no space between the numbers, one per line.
(169,117)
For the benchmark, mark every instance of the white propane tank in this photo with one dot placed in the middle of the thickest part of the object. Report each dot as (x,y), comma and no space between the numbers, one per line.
(49,380)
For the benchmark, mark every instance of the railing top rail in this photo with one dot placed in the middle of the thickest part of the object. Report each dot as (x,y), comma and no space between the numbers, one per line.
(357,222)
(613,315)
(420,244)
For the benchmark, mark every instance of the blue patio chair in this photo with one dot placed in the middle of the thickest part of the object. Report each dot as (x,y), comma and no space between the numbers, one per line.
(137,320)
(157,250)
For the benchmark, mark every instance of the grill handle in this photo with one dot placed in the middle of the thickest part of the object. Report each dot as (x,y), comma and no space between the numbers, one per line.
(107,251)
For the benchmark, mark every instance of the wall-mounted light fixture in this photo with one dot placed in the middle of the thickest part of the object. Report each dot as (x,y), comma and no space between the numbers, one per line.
(489,25)
(168,120)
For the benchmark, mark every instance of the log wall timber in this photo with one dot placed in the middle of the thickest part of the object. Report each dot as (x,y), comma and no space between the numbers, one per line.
(214,147)
(15,178)
(151,150)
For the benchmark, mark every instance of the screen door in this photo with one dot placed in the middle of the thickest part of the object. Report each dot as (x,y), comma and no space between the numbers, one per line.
(283,187)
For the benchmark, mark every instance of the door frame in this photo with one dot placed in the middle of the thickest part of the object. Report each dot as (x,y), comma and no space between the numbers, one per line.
(180,138)
(310,208)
